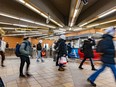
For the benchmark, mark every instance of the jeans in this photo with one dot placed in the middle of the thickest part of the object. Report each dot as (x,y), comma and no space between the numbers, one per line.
(39,55)
(23,60)
(95,75)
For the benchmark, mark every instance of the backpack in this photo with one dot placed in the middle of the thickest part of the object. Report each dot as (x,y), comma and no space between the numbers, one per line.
(17,49)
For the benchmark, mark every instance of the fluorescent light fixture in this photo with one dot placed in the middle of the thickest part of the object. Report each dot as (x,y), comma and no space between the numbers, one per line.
(107,22)
(77,29)
(92,25)
(20,25)
(56,22)
(31,7)
(22,1)
(5,23)
(26,20)
(88,22)
(70,28)
(9,16)
(83,24)
(38,11)
(101,23)
(76,11)
(8,28)
(72,21)
(112,10)
(106,13)
(71,24)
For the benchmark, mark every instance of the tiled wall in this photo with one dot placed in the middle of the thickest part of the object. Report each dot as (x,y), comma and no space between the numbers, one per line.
(13,41)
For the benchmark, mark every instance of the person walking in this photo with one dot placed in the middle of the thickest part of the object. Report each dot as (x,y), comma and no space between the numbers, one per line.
(39,50)
(107,50)
(25,52)
(88,52)
(62,51)
(2,50)
(54,51)
(34,51)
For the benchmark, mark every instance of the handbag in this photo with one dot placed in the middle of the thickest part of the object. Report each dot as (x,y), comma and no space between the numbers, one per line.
(63,60)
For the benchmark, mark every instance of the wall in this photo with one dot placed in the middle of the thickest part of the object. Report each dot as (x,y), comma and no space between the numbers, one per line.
(13,41)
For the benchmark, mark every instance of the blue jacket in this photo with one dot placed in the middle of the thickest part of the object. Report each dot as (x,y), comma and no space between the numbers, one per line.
(106,46)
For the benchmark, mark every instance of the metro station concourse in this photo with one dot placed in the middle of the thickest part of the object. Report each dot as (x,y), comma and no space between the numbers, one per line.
(57,43)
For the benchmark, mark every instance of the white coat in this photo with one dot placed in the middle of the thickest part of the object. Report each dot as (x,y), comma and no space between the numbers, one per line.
(3,46)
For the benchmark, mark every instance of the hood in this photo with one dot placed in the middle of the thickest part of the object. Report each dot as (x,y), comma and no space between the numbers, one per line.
(107,36)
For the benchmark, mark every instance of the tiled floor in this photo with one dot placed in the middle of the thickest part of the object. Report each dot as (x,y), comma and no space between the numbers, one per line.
(46,75)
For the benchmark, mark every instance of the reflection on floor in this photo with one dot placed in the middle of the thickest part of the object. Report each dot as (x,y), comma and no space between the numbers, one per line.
(46,75)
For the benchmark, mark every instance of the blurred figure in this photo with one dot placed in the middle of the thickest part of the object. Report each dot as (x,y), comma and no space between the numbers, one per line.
(2,50)
(88,52)
(34,51)
(54,51)
(62,52)
(69,48)
(26,51)
(7,45)
(39,49)
(107,50)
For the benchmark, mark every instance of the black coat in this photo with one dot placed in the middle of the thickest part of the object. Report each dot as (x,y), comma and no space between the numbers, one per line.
(106,46)
(62,47)
(39,47)
(87,48)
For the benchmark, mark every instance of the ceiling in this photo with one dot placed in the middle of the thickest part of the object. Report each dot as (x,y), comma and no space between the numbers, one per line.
(41,18)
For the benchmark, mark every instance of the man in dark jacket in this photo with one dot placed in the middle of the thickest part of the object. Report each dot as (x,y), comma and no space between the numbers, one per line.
(88,52)
(62,51)
(106,48)
(26,51)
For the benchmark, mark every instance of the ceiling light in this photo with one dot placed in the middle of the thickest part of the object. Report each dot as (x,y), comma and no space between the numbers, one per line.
(112,10)
(77,29)
(20,25)
(9,16)
(5,23)
(106,13)
(26,20)
(22,1)
(107,22)
(88,22)
(101,23)
(56,22)
(76,11)
(38,11)
(70,28)
(92,25)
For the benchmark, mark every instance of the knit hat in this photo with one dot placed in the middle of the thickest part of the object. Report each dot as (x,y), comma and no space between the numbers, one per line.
(111,31)
(63,37)
(40,41)
(25,38)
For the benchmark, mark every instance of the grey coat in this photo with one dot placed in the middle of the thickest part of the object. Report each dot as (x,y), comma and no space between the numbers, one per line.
(28,51)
